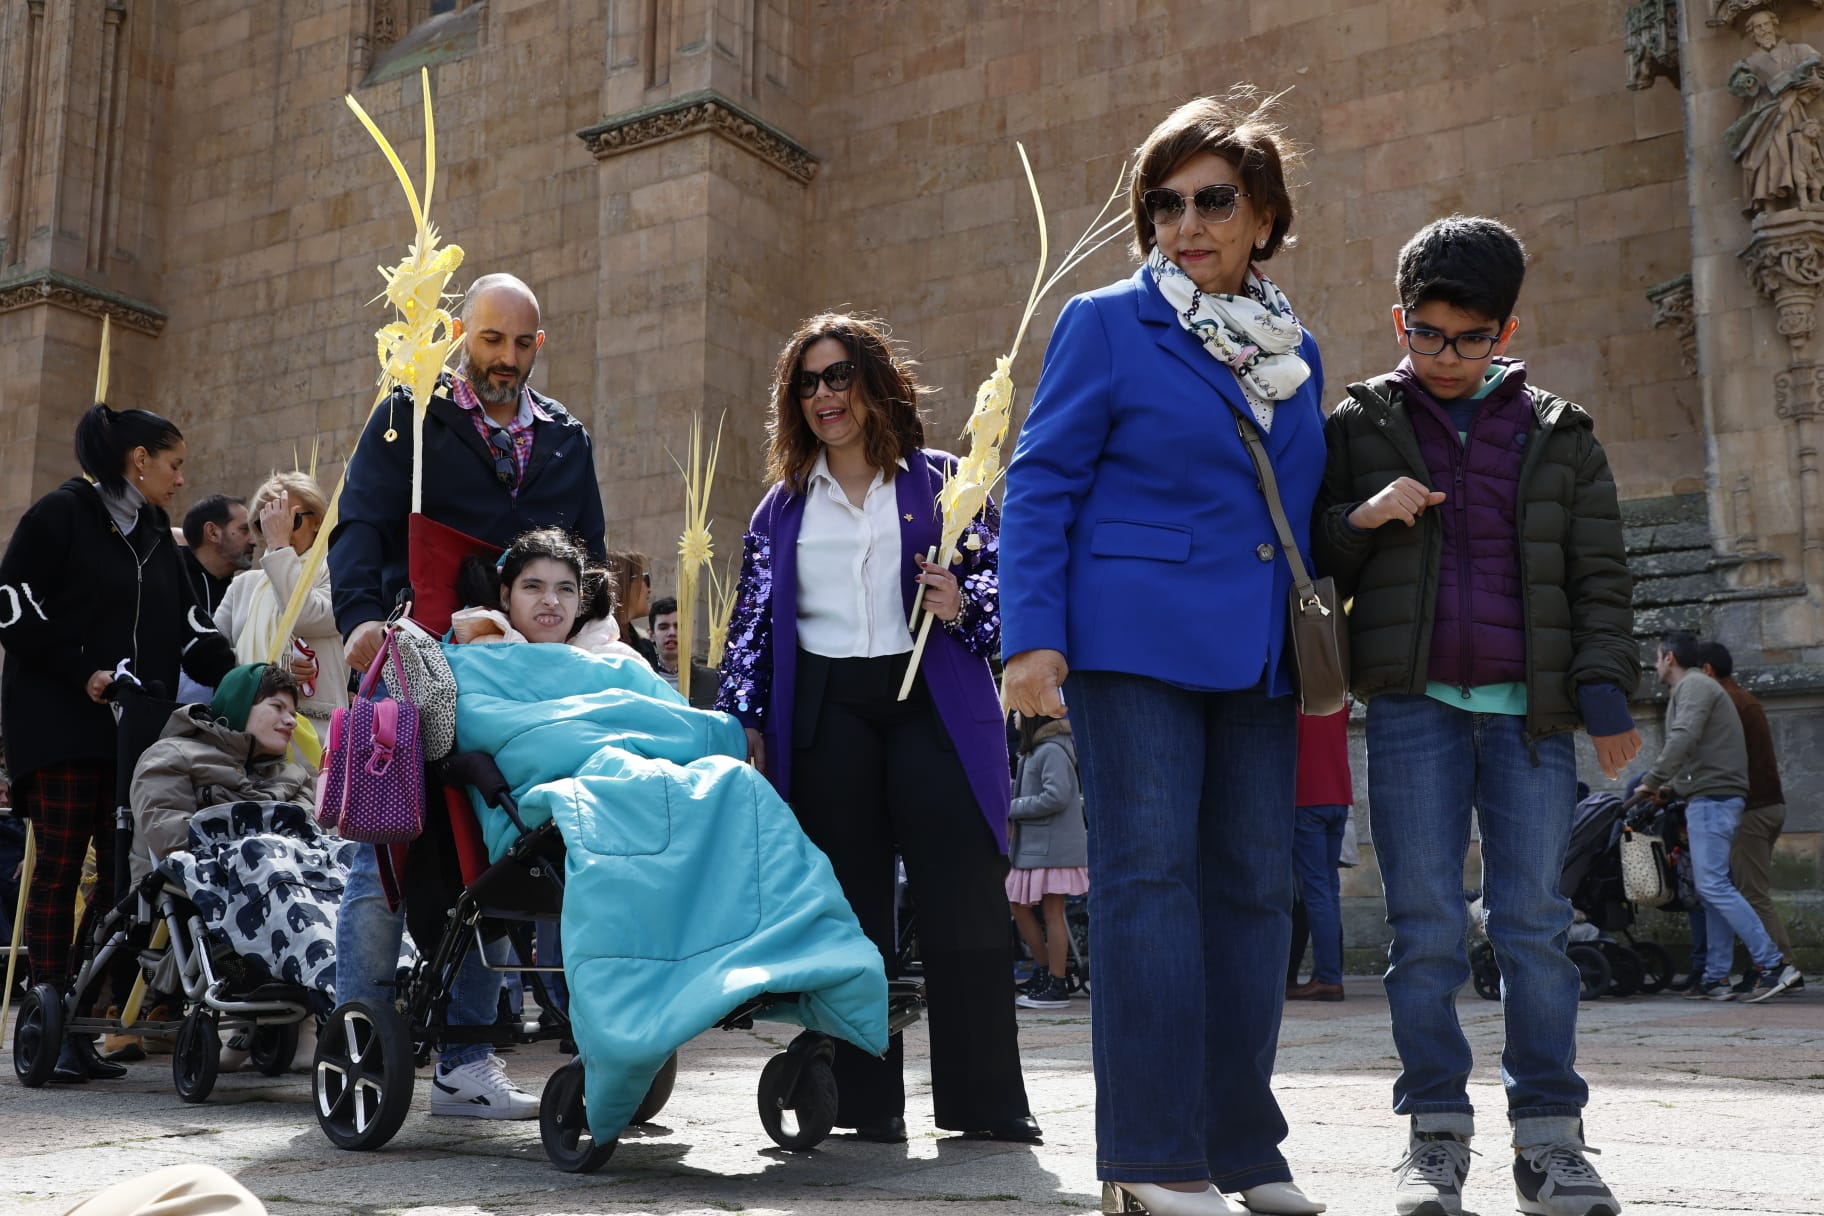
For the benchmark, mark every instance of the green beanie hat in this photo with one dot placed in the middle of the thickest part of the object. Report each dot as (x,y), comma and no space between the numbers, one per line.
(233,699)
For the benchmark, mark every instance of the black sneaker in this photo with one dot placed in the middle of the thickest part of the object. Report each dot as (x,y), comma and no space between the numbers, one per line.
(1718,990)
(1031,983)
(1773,981)
(1558,1180)
(1746,983)
(1052,994)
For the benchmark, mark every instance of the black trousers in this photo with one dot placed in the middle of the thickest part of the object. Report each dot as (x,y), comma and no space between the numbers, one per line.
(872,775)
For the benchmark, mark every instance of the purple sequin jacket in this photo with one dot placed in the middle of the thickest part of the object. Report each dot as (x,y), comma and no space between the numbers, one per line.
(759,665)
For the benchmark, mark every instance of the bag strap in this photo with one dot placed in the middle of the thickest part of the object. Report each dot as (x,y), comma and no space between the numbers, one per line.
(388,646)
(1269,489)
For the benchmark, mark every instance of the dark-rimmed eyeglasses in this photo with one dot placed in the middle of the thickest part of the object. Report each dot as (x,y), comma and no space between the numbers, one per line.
(1215,205)
(506,464)
(1473,347)
(837,375)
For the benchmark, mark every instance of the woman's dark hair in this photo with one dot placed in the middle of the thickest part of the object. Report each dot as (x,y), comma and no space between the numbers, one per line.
(625,567)
(1467,261)
(1030,726)
(884,394)
(1244,129)
(479,581)
(106,437)
(598,597)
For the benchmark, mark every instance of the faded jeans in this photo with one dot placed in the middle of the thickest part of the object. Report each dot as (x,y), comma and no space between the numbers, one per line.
(1711,824)
(368,934)
(1430,766)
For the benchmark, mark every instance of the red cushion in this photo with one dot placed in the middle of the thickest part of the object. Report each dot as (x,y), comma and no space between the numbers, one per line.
(436,554)
(471,849)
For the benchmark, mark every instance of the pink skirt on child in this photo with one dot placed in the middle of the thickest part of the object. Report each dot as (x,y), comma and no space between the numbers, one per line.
(1031,886)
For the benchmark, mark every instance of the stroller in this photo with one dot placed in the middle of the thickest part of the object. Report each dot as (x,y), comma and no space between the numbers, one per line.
(169,938)
(1609,958)
(368,1053)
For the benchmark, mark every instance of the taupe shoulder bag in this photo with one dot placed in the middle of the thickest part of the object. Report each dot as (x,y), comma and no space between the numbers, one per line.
(1320,631)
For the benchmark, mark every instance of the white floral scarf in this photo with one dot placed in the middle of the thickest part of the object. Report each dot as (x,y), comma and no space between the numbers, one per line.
(1255,334)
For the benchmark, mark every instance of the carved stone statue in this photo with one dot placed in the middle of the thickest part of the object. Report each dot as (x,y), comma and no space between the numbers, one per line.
(1652,42)
(1776,142)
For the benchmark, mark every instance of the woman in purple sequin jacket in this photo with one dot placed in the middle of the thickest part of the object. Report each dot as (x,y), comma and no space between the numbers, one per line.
(817,648)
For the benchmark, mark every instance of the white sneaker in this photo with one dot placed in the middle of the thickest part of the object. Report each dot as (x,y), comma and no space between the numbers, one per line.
(480,1090)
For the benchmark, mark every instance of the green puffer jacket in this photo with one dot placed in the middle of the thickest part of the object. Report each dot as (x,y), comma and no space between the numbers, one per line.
(1577,591)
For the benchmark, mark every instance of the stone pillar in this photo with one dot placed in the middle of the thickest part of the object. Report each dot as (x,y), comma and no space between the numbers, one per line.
(1757,207)
(79,92)
(703,214)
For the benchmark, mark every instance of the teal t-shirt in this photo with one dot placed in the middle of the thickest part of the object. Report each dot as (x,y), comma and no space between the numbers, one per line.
(1509,699)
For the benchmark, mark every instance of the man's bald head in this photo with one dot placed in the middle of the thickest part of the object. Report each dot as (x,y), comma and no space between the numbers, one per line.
(504,285)
(500,334)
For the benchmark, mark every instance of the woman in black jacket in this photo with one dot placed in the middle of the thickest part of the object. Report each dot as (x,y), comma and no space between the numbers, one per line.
(91,584)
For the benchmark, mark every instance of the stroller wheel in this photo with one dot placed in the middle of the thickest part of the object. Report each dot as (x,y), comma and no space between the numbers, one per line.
(362,1081)
(1593,968)
(1485,972)
(38,1036)
(563,1122)
(1625,966)
(274,1047)
(659,1092)
(1655,966)
(800,1119)
(196,1055)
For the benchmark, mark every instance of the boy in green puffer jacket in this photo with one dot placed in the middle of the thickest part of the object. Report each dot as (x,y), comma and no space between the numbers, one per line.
(1473,521)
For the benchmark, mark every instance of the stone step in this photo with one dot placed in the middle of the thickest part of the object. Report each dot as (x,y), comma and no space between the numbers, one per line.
(1652,621)
(1660,538)
(1679,589)
(1670,562)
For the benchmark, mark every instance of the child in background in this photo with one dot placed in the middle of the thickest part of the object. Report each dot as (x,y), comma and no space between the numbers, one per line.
(1048,848)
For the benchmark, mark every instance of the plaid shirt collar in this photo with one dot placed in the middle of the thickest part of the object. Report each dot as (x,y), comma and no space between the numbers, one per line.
(519,430)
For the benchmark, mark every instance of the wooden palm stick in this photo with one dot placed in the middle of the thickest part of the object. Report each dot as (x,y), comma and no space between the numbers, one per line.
(12,956)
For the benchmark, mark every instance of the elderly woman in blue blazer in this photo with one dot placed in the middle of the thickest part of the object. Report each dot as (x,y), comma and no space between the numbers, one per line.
(817,648)
(1141,578)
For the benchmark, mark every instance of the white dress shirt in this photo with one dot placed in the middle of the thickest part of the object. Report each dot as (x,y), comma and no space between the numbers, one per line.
(850,567)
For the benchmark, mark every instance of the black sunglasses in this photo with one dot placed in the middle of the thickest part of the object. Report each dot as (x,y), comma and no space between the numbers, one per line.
(506,467)
(1215,205)
(837,375)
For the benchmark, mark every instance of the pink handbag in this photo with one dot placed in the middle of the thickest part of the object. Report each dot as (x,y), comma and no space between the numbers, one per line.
(372,785)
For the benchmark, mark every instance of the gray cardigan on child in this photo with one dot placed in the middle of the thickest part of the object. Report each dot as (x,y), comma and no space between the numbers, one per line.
(1046,825)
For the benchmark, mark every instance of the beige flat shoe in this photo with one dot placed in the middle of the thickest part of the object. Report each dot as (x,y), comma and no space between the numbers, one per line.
(1280,1199)
(1151,1199)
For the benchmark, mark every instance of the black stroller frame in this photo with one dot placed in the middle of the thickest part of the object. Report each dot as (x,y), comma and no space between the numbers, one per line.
(368,1052)
(48,1017)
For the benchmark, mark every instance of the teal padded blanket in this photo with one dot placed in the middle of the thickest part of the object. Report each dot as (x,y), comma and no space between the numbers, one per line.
(689,887)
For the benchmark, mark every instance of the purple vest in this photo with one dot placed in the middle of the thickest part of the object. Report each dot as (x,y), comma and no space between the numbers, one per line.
(1479,629)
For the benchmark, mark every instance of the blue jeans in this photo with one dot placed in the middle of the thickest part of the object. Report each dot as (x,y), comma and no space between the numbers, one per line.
(1711,823)
(368,934)
(1189,797)
(1429,766)
(1317,850)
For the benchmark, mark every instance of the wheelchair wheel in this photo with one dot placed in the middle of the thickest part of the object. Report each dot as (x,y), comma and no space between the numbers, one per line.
(800,1119)
(196,1055)
(38,1036)
(658,1093)
(1655,966)
(1593,968)
(1485,972)
(1625,967)
(362,1081)
(563,1123)
(274,1048)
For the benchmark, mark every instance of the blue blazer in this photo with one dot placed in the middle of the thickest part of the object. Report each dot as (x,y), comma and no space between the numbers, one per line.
(1134,537)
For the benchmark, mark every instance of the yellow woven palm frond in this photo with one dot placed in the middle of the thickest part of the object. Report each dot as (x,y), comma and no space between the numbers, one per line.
(721,610)
(413,350)
(695,546)
(966,488)
(101,368)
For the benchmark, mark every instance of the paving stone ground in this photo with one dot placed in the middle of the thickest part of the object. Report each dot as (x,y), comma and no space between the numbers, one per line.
(1697,1107)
